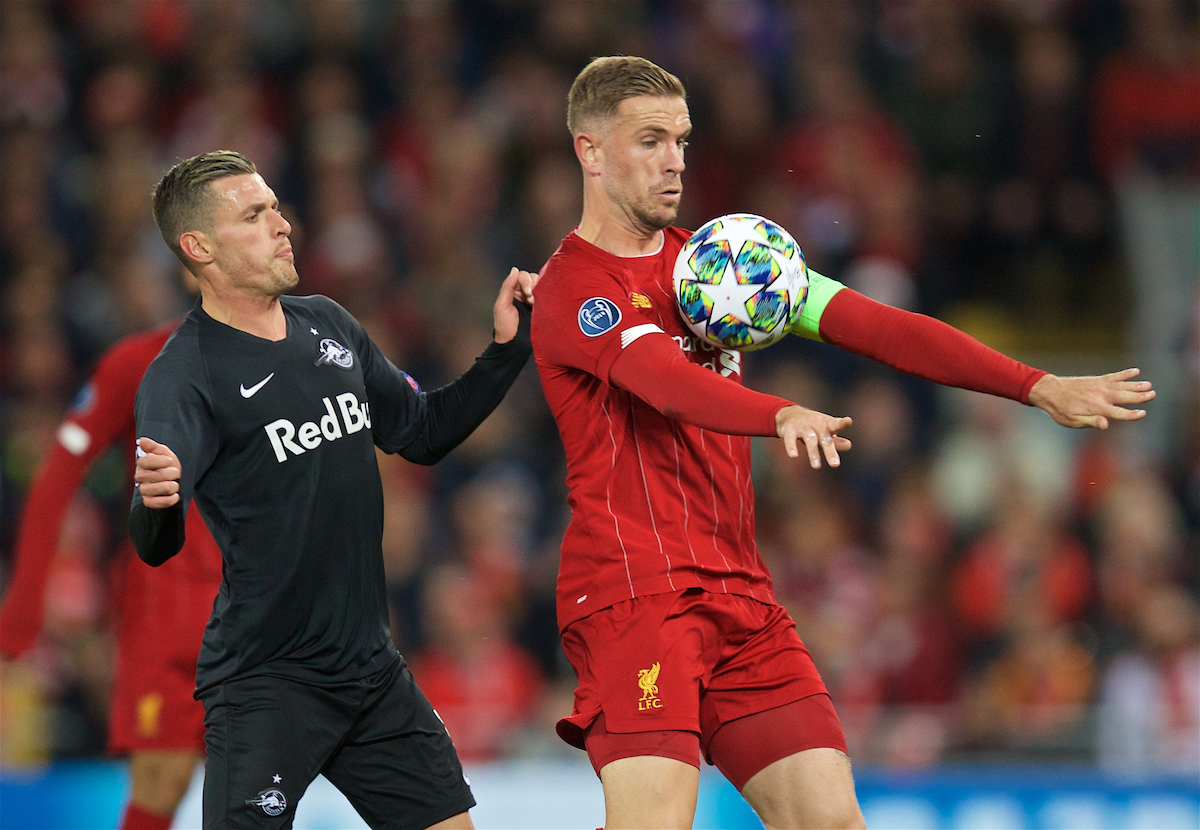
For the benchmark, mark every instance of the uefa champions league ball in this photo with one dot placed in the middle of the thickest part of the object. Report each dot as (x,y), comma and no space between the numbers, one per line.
(740,282)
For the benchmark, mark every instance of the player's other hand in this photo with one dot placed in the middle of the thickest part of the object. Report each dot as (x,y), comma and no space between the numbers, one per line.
(1091,401)
(156,474)
(518,285)
(816,430)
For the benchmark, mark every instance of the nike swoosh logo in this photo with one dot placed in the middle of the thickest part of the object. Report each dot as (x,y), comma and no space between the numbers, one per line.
(246,393)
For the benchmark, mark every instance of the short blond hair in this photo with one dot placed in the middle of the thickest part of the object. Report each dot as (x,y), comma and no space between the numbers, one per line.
(183,200)
(605,82)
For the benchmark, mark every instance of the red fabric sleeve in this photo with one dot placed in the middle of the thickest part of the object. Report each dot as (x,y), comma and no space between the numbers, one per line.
(104,415)
(653,369)
(922,346)
(37,541)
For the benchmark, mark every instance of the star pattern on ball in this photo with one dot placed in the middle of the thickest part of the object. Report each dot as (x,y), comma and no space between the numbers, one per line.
(729,297)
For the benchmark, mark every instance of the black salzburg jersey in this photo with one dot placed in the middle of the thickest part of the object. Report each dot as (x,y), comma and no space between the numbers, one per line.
(277,446)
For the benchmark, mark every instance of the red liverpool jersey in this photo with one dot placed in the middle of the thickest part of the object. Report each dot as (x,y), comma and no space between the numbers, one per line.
(102,416)
(657,503)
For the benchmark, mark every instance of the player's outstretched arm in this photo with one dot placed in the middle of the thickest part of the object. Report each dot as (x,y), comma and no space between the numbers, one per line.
(1091,401)
(518,285)
(817,431)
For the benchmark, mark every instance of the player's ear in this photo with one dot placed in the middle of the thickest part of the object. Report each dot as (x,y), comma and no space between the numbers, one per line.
(589,152)
(195,245)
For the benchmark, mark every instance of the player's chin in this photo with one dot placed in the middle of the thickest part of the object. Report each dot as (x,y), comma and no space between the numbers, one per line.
(661,217)
(288,278)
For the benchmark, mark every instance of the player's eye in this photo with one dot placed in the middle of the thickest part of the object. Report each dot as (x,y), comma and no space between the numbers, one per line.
(683,143)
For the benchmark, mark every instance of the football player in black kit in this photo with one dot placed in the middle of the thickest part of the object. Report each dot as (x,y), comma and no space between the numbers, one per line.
(265,410)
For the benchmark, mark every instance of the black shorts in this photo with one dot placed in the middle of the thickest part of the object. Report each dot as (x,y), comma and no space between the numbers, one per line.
(378,741)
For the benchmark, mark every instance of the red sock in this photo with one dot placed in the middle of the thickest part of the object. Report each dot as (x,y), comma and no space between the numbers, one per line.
(138,819)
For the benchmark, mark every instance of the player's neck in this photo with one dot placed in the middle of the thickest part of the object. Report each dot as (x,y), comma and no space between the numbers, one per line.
(617,235)
(258,315)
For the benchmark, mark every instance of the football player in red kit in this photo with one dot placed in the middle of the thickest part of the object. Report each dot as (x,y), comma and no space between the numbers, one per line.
(665,607)
(154,718)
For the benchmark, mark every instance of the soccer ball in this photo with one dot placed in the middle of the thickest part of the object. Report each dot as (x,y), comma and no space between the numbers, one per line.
(740,282)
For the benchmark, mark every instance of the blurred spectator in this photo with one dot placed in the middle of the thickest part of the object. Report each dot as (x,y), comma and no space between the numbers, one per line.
(994,444)
(944,82)
(884,438)
(1141,536)
(484,686)
(1150,700)
(851,172)
(724,168)
(908,668)
(1026,565)
(1034,697)
(1146,123)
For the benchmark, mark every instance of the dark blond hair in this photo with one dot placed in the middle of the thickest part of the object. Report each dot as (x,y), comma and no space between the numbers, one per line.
(183,200)
(605,82)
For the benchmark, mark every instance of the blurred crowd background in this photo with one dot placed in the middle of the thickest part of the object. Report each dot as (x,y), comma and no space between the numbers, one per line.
(975,582)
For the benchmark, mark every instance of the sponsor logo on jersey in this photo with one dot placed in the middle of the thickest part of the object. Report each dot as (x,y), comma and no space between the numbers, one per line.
(247,393)
(287,439)
(334,353)
(647,680)
(639,300)
(597,316)
(411,382)
(272,801)
(724,362)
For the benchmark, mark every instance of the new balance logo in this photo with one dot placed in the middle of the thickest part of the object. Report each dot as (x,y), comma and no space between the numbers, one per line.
(246,393)
(286,438)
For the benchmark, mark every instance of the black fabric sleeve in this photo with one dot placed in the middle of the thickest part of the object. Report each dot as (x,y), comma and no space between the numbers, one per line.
(172,408)
(455,410)
(157,534)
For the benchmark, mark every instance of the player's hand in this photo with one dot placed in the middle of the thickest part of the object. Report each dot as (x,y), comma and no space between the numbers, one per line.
(518,285)
(818,431)
(1091,401)
(156,474)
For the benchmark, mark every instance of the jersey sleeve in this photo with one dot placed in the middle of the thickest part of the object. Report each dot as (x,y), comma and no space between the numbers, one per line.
(173,408)
(655,370)
(821,290)
(923,346)
(585,320)
(102,412)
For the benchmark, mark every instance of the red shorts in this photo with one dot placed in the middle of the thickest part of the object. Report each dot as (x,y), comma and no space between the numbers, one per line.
(163,614)
(689,661)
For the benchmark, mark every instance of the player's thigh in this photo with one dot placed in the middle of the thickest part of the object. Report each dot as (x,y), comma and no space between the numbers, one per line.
(649,792)
(159,778)
(267,739)
(398,766)
(810,789)
(764,665)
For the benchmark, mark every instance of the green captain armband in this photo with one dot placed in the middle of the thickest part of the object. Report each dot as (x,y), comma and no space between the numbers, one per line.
(820,291)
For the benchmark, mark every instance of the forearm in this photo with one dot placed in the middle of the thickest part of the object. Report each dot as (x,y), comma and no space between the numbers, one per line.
(653,369)
(923,347)
(455,410)
(158,534)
